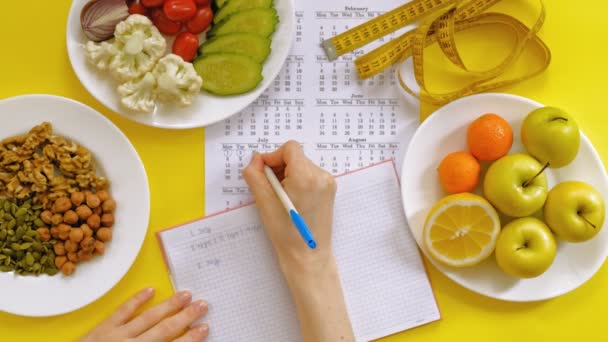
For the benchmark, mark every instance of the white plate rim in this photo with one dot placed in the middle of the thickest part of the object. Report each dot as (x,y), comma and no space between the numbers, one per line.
(111,102)
(39,310)
(422,128)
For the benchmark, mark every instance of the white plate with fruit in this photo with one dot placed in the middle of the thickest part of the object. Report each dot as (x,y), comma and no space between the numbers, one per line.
(486,213)
(178,63)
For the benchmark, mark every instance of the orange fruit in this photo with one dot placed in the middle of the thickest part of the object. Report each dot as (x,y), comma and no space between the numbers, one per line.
(489,137)
(459,172)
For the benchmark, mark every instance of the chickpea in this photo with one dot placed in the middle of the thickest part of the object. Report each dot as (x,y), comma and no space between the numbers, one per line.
(44,234)
(70,217)
(98,211)
(104,234)
(93,201)
(84,212)
(73,257)
(61,205)
(94,221)
(76,235)
(56,219)
(64,228)
(68,268)
(86,230)
(107,220)
(103,195)
(77,198)
(85,255)
(108,206)
(64,236)
(55,232)
(70,247)
(100,247)
(59,248)
(87,193)
(88,243)
(60,260)
(46,216)
(64,231)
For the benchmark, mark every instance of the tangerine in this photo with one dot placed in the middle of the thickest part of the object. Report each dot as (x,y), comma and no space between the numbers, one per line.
(489,137)
(459,172)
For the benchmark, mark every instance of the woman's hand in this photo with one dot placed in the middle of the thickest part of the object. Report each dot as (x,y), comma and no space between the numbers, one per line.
(312,191)
(167,321)
(312,275)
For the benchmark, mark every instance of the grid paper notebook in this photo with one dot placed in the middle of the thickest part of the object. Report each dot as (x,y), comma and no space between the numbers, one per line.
(227,260)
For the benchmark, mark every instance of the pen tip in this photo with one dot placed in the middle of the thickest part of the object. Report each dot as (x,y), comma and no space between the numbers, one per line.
(312,244)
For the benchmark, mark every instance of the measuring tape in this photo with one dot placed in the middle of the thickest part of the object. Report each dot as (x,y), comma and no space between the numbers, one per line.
(438,22)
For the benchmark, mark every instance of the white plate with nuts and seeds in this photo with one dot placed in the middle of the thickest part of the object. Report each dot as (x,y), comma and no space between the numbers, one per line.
(74,205)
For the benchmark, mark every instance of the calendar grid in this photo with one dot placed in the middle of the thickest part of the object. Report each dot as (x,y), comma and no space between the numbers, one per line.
(342,122)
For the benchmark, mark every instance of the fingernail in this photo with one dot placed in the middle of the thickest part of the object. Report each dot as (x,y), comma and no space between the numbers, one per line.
(200,305)
(147,292)
(203,328)
(184,296)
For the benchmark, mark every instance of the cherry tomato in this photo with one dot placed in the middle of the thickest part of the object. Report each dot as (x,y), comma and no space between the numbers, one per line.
(164,24)
(201,20)
(152,3)
(180,10)
(185,46)
(137,8)
(203,3)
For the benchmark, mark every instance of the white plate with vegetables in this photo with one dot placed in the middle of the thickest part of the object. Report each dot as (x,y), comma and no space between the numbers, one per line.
(129,62)
(85,274)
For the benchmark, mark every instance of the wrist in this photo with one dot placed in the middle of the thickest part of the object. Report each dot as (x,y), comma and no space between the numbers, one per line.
(306,275)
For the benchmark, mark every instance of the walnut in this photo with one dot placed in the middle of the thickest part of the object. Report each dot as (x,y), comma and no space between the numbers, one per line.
(45,166)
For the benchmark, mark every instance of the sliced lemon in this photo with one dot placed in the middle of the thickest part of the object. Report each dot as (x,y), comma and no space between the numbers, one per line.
(461,230)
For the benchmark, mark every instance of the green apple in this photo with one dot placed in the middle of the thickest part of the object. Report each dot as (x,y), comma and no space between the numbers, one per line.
(525,248)
(551,136)
(574,211)
(516,185)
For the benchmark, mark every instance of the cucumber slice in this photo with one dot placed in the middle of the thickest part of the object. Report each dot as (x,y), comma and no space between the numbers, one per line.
(228,73)
(248,44)
(220,3)
(261,21)
(239,5)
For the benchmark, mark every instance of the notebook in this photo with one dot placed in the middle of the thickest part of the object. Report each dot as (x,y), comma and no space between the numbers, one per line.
(227,259)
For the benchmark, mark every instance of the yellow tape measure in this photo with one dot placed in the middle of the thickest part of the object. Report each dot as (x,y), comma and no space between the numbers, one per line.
(438,22)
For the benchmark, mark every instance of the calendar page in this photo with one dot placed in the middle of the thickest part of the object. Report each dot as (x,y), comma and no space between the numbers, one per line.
(343,122)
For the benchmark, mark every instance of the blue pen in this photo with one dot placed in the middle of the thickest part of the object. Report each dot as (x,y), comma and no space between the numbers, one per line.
(293,213)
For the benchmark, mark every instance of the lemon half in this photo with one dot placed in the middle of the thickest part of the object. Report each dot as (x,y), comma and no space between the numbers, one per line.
(461,230)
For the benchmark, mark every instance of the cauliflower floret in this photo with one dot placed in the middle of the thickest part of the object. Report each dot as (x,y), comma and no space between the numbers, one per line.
(100,55)
(139,94)
(177,80)
(140,45)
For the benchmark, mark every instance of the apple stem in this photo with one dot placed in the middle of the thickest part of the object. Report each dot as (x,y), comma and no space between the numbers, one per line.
(559,118)
(591,224)
(526,183)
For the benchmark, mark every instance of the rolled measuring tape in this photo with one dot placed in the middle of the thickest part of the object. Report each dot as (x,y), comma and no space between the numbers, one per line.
(438,22)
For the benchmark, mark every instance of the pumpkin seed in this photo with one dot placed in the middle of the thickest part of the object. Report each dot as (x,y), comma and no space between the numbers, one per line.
(21,249)
(29,259)
(51,271)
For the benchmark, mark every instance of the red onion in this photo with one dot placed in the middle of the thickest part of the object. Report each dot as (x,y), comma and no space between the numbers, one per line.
(100,17)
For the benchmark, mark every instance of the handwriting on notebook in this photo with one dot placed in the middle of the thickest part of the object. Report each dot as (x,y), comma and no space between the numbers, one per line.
(205,238)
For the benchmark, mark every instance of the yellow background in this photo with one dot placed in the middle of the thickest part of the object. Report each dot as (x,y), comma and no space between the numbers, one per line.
(33,59)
